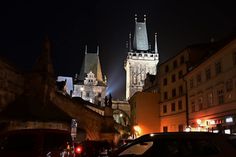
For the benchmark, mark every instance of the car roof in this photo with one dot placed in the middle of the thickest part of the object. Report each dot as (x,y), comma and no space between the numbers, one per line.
(183,135)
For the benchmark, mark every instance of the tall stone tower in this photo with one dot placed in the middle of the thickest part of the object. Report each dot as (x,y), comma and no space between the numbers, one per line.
(140,59)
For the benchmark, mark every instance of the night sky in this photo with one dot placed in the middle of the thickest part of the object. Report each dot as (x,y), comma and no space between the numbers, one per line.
(70,25)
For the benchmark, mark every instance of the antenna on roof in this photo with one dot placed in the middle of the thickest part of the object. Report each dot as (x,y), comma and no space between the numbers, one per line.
(97,50)
(156,43)
(130,48)
(85,51)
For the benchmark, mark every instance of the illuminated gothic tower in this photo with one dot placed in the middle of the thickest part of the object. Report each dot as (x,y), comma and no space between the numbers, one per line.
(90,84)
(140,60)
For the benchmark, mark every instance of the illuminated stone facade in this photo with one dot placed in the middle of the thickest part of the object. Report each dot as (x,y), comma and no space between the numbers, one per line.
(90,85)
(140,60)
(172,92)
(212,91)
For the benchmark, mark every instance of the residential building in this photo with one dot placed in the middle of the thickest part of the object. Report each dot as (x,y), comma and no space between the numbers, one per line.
(212,91)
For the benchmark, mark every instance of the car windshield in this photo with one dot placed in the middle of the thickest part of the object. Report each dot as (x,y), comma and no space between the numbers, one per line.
(138,148)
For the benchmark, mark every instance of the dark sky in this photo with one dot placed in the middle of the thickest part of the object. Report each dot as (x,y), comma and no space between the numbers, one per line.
(72,24)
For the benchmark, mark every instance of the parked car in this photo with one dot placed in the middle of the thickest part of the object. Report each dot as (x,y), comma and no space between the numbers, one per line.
(181,144)
(35,143)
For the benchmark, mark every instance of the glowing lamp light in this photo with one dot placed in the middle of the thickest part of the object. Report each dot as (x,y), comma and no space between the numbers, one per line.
(199,121)
(229,119)
(78,149)
(137,129)
(227,131)
(188,129)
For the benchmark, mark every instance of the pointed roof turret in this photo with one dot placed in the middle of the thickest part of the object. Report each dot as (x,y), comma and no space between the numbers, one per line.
(129,44)
(140,35)
(98,50)
(156,49)
(91,63)
(85,50)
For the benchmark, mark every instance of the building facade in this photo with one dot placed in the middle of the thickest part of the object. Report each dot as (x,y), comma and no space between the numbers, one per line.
(212,92)
(172,93)
(140,60)
(90,84)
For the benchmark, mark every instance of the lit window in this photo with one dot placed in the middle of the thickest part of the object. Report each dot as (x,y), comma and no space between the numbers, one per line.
(209,99)
(165,128)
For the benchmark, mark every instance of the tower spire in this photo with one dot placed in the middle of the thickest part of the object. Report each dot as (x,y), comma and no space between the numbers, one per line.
(129,45)
(156,50)
(86,49)
(135,17)
(98,50)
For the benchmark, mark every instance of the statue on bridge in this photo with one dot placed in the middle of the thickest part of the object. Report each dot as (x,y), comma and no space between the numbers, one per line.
(108,101)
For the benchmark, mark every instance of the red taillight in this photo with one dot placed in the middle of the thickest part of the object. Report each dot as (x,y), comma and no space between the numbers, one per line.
(78,149)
